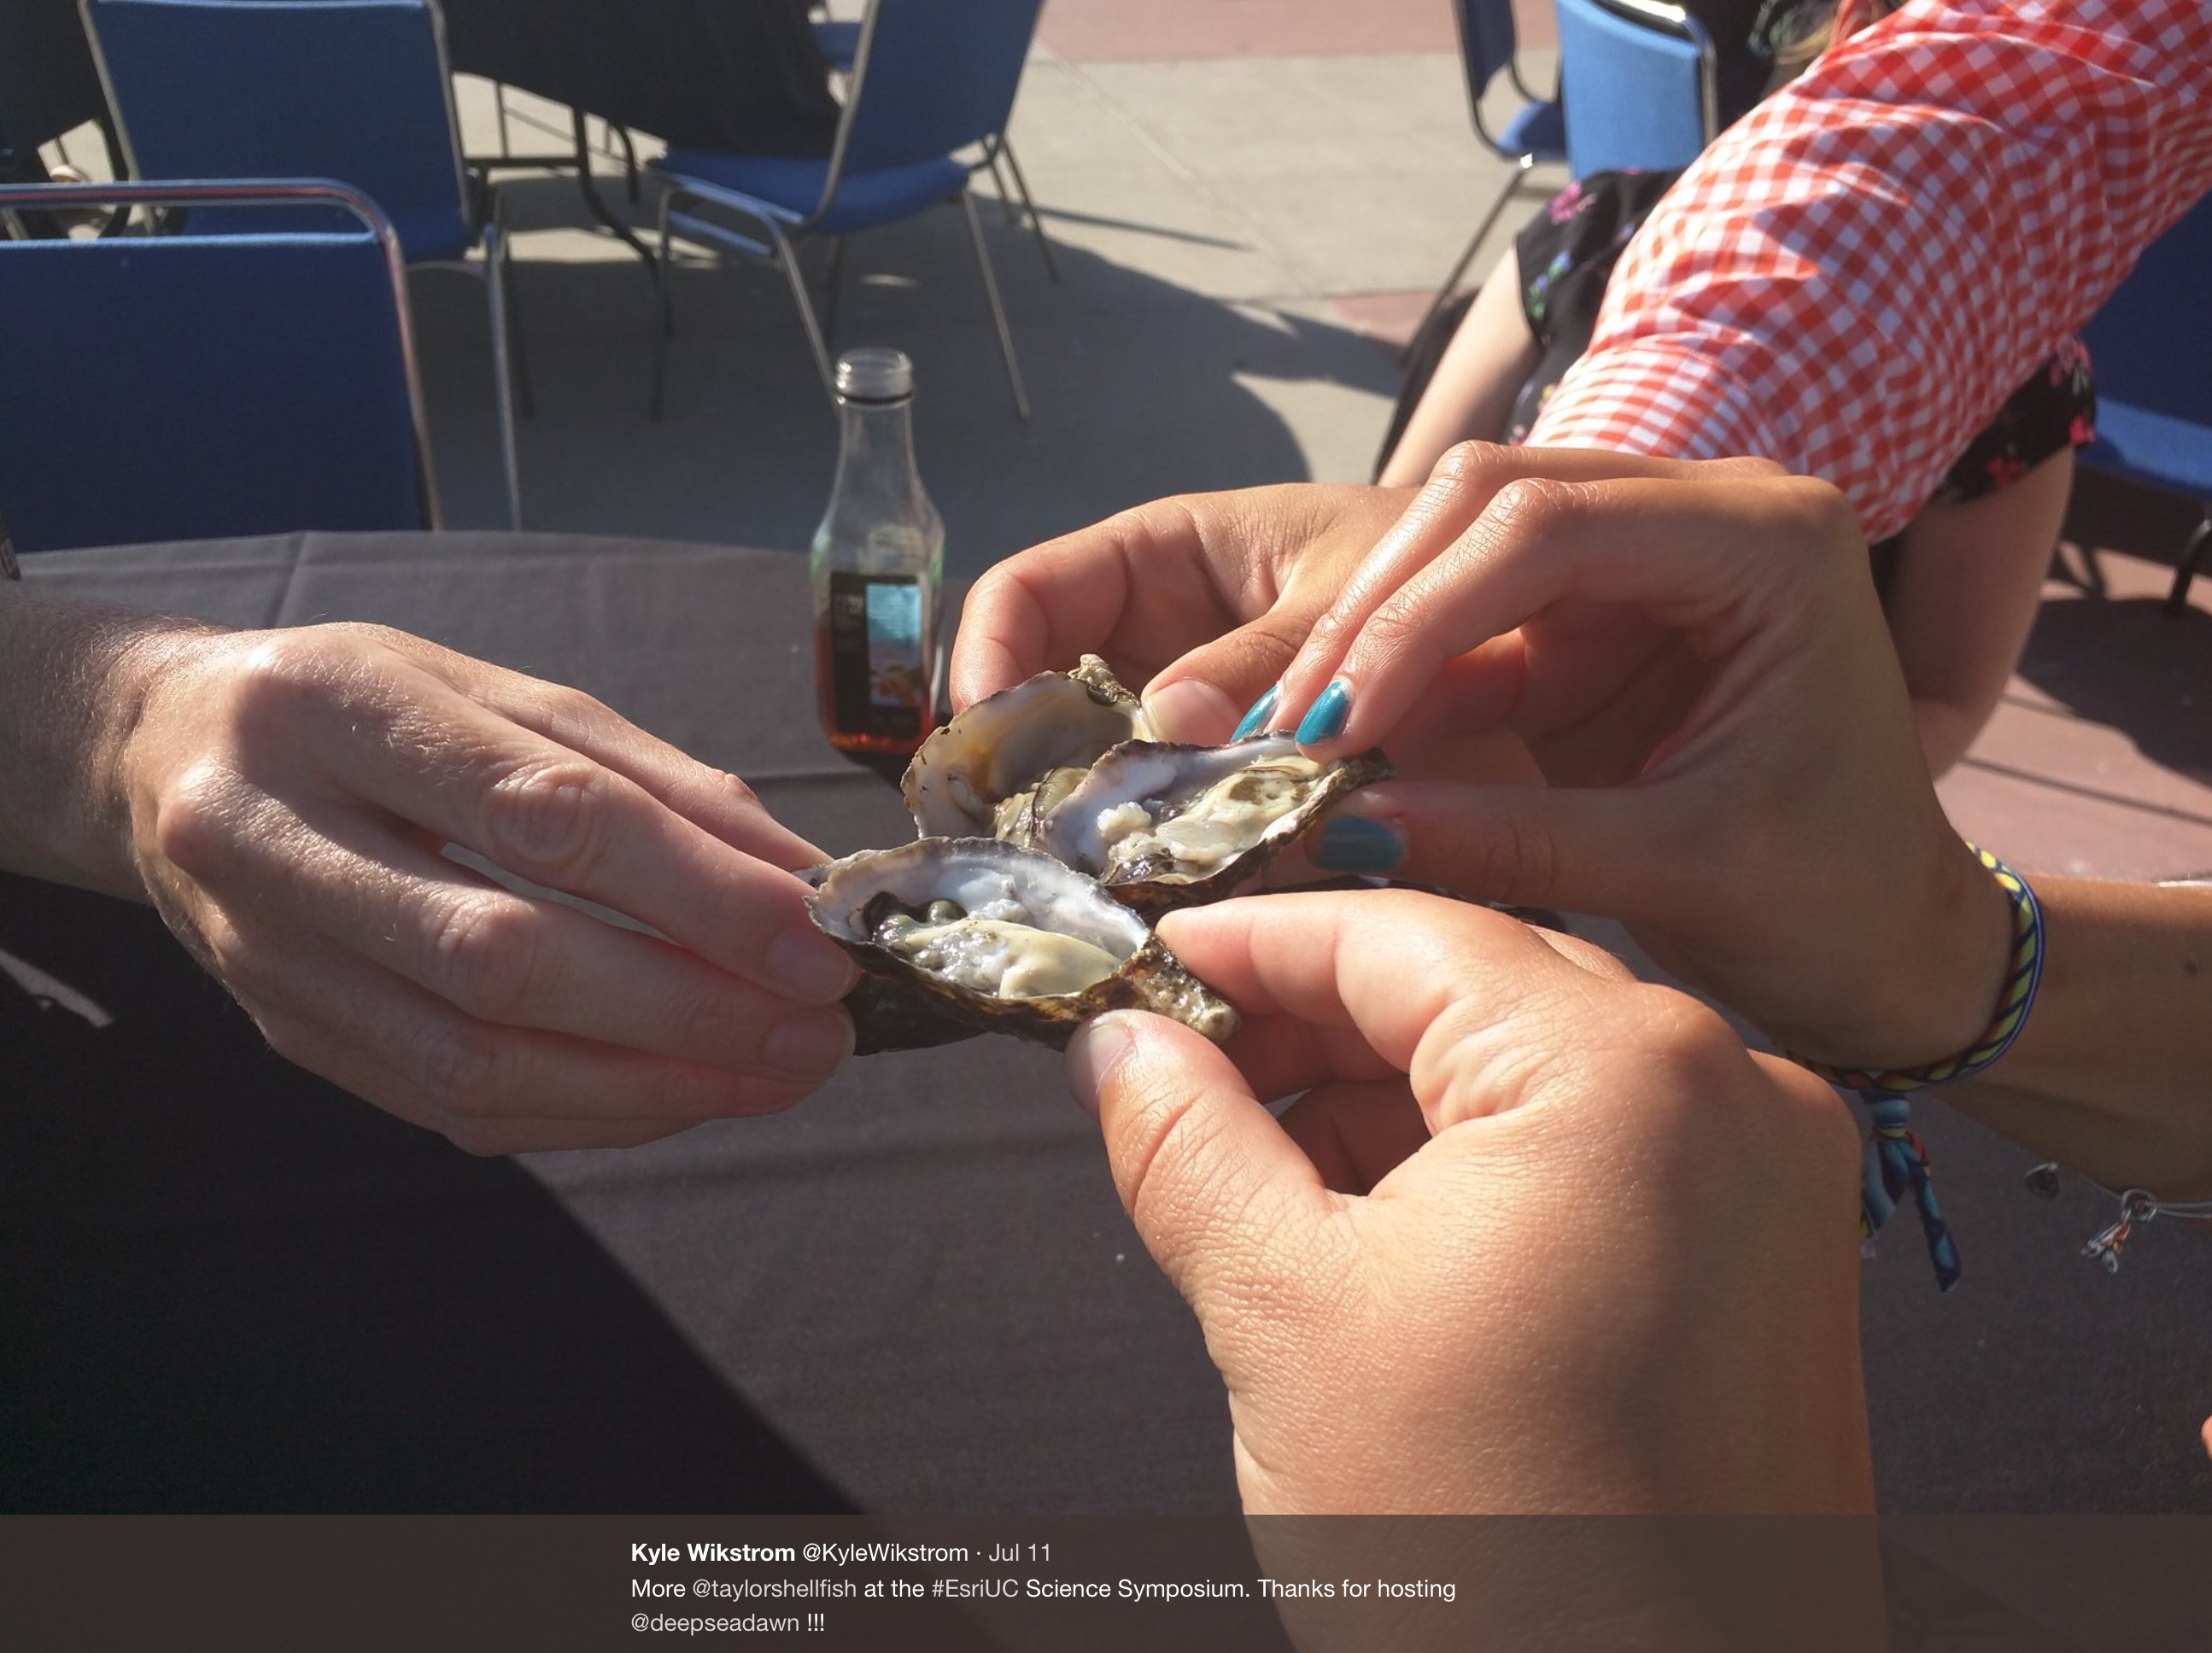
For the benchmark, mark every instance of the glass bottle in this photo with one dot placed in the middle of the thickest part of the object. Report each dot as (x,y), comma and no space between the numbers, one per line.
(879,566)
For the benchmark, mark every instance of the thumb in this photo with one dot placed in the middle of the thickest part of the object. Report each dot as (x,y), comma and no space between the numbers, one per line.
(1212,1182)
(1596,850)
(1206,695)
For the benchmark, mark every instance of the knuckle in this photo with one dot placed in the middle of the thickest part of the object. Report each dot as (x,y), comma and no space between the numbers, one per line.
(1534,506)
(486,958)
(1471,466)
(1822,507)
(1396,630)
(550,817)
(195,822)
(281,672)
(460,1073)
(1515,859)
(703,1026)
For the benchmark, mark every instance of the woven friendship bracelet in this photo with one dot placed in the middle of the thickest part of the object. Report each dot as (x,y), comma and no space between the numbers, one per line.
(1896,1162)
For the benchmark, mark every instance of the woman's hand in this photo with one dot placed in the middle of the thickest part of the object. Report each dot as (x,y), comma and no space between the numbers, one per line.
(1537,1236)
(1204,597)
(284,797)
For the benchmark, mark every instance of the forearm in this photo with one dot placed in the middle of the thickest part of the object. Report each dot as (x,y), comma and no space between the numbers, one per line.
(2112,1073)
(73,678)
(2017,158)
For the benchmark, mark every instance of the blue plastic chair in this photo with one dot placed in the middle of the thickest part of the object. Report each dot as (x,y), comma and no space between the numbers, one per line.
(356,90)
(931,78)
(1636,77)
(174,387)
(1536,133)
(2151,345)
(839,39)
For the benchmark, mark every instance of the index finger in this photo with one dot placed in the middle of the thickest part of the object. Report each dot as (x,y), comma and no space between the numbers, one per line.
(410,744)
(1466,484)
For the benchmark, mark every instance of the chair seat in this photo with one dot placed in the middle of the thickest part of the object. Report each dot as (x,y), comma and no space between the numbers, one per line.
(2166,453)
(792,187)
(1538,129)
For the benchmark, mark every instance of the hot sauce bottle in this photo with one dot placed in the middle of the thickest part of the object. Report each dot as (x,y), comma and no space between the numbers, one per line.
(878,567)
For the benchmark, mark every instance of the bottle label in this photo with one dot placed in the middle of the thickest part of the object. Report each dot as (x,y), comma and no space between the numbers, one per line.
(877,665)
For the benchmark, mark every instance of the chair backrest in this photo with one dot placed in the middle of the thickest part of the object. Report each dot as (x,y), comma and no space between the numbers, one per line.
(1486,42)
(2151,345)
(1637,80)
(175,387)
(932,77)
(355,90)
(48,82)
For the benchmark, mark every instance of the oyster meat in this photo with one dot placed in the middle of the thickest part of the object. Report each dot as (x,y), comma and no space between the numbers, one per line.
(1163,825)
(996,768)
(983,935)
(1067,763)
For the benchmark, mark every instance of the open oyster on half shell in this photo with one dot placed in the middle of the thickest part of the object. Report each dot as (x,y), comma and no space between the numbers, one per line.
(1067,763)
(975,933)
(1164,827)
(994,770)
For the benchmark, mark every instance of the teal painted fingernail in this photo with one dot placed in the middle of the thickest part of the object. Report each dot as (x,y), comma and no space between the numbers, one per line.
(1256,719)
(1353,843)
(1325,718)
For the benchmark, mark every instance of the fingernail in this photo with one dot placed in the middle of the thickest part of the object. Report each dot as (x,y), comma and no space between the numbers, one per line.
(1096,1050)
(1190,711)
(1325,718)
(810,1045)
(1256,719)
(807,966)
(1351,844)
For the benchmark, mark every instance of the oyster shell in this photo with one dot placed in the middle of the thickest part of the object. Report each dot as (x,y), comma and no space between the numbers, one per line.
(986,936)
(1163,826)
(996,769)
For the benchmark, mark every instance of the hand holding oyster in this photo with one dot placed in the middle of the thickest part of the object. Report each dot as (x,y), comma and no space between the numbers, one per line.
(1052,828)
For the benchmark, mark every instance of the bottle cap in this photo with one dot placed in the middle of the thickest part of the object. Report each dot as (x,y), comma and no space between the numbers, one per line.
(874,373)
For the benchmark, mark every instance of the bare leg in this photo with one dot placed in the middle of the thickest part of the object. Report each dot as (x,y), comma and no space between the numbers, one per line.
(1969,582)
(1483,369)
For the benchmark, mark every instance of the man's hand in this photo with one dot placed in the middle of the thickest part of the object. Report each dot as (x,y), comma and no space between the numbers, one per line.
(285,798)
(1537,1236)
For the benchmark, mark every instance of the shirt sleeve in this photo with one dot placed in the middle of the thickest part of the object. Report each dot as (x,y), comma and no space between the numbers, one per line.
(1853,278)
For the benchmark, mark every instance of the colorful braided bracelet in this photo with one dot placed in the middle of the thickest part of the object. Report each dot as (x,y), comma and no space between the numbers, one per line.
(1896,1162)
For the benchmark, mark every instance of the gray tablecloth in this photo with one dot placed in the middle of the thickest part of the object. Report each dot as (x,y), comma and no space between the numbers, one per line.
(228,1285)
(224,1284)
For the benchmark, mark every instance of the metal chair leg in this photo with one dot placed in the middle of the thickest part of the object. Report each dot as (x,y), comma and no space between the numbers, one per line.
(2177,600)
(665,324)
(833,268)
(999,180)
(796,277)
(525,393)
(495,279)
(628,159)
(1466,254)
(1036,221)
(998,310)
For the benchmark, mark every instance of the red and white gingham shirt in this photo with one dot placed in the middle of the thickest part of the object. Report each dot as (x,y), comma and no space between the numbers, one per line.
(1856,275)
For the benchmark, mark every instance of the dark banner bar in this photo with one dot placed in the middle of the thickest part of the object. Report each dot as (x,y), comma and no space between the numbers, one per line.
(426,1583)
